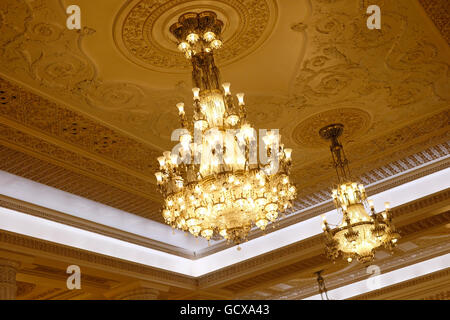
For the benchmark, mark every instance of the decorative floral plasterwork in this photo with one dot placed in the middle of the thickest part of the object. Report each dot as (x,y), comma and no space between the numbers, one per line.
(134,35)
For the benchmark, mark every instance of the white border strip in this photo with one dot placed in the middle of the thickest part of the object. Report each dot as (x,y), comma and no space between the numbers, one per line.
(387,279)
(14,221)
(33,192)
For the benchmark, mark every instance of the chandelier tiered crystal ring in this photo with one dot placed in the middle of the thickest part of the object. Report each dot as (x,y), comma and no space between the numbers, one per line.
(359,234)
(212,184)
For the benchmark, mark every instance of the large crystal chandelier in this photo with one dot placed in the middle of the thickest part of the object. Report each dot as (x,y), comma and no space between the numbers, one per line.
(213,183)
(359,233)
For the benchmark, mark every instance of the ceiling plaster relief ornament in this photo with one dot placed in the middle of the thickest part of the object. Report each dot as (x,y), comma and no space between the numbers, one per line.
(24,288)
(299,27)
(62,71)
(438,12)
(45,116)
(113,96)
(345,37)
(48,56)
(356,122)
(140,30)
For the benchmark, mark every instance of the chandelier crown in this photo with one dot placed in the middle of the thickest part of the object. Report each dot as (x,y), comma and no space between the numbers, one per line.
(214,183)
(359,233)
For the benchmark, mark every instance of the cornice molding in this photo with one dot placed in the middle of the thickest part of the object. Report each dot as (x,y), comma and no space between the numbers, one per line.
(14,241)
(441,275)
(60,217)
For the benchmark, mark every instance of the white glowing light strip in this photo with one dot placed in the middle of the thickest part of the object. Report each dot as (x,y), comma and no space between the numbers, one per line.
(44,229)
(59,233)
(387,279)
(52,198)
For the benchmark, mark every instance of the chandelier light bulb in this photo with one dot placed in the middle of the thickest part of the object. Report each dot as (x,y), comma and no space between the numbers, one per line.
(162,161)
(288,153)
(387,205)
(232,120)
(185,140)
(371,204)
(216,44)
(159,176)
(180,107)
(196,92)
(188,54)
(226,88)
(183,46)
(268,139)
(192,37)
(174,159)
(209,36)
(207,233)
(223,233)
(240,97)
(262,223)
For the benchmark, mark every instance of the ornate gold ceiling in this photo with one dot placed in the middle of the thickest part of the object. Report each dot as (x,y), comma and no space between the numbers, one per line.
(88,111)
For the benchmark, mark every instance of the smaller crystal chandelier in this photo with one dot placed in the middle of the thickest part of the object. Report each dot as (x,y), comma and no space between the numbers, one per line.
(359,233)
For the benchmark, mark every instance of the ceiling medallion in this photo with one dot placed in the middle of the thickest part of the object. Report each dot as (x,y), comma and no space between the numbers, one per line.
(214,182)
(141,30)
(359,234)
(356,122)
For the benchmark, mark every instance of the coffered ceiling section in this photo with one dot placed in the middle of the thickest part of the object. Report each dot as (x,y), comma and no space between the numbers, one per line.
(88,111)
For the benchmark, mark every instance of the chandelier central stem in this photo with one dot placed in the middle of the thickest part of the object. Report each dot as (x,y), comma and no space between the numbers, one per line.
(340,162)
(205,74)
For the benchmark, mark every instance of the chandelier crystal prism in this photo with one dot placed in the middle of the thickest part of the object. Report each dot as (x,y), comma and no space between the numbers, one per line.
(359,233)
(213,184)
